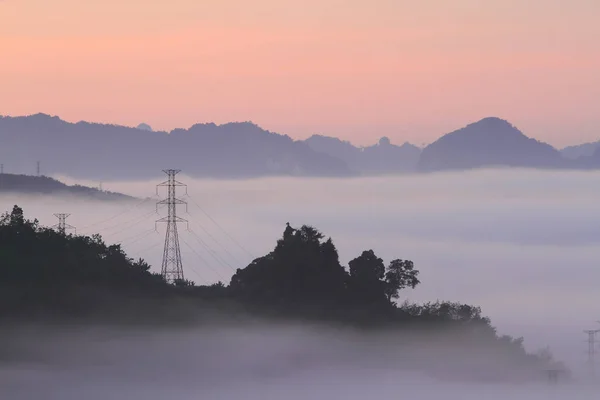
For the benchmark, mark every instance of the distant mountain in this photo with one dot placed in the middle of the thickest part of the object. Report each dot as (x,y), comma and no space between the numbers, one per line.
(582,150)
(381,158)
(586,161)
(244,150)
(145,127)
(488,143)
(109,152)
(27,184)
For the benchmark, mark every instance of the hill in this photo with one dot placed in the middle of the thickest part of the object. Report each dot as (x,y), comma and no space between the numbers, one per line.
(112,152)
(57,277)
(578,151)
(489,142)
(11,183)
(381,158)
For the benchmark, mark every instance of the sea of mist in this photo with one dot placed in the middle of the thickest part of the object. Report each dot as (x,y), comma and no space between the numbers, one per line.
(521,244)
(256,361)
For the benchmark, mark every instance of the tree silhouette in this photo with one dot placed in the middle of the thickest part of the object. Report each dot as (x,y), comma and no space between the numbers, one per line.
(366,278)
(302,270)
(400,274)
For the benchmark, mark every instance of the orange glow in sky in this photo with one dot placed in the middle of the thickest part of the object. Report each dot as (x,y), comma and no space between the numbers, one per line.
(359,70)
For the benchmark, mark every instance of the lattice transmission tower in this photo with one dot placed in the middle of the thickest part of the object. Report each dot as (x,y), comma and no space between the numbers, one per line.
(172,267)
(592,351)
(62,225)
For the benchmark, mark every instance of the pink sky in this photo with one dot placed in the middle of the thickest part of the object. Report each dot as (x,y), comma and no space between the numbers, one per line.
(359,70)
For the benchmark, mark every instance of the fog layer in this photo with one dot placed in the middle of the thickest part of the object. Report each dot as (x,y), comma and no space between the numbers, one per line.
(254,361)
(520,244)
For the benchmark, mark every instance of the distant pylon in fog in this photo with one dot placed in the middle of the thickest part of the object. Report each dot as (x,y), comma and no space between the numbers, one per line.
(172,267)
(592,351)
(62,225)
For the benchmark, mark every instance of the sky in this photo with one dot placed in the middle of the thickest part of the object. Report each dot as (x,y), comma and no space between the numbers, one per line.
(358,70)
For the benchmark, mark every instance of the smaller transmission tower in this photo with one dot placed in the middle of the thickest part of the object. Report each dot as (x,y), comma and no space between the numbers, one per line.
(592,350)
(1,169)
(38,168)
(172,267)
(62,225)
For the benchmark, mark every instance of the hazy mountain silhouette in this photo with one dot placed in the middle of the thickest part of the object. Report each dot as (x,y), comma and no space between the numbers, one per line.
(244,150)
(11,183)
(487,143)
(584,159)
(145,127)
(582,150)
(100,151)
(381,158)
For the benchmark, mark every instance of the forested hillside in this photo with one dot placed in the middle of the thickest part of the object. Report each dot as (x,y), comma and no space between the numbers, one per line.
(48,275)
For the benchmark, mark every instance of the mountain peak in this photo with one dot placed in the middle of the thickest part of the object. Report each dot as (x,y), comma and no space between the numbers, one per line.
(493,120)
(384,141)
(144,127)
(42,116)
(492,125)
(489,142)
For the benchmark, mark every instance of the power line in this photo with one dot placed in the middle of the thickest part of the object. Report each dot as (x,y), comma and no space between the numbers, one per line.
(116,215)
(138,236)
(126,224)
(145,249)
(217,242)
(210,251)
(220,227)
(203,261)
(172,267)
(130,224)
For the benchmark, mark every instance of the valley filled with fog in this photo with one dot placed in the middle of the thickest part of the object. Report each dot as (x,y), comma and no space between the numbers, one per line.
(521,244)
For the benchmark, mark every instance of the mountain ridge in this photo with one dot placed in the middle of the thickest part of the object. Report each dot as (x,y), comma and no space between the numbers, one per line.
(380,158)
(490,141)
(241,150)
(105,151)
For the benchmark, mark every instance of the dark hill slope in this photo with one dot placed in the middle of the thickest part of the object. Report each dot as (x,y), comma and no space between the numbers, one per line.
(10,183)
(486,143)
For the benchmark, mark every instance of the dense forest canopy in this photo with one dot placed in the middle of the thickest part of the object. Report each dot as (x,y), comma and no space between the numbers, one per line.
(45,272)
(304,270)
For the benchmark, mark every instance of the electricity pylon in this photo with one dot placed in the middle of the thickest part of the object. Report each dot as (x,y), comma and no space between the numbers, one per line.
(172,267)
(592,351)
(62,225)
